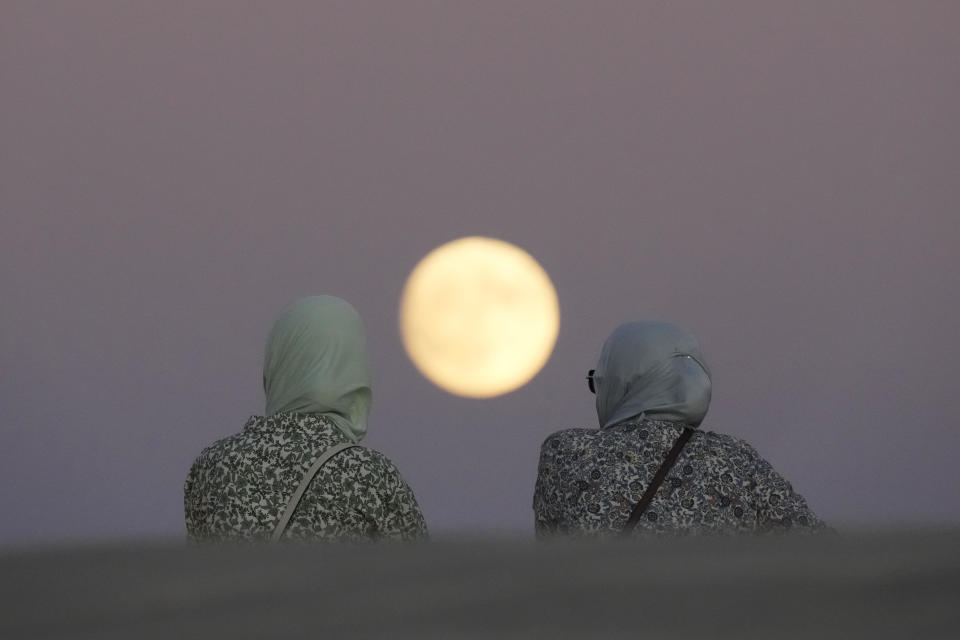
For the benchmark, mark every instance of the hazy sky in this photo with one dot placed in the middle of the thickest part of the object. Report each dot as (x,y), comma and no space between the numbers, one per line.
(780,177)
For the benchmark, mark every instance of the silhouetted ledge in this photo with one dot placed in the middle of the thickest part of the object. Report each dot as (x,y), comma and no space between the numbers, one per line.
(892,585)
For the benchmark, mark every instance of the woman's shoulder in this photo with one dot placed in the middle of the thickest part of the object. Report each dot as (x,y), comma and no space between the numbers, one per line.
(257,432)
(567,438)
(729,447)
(221,449)
(369,460)
(367,454)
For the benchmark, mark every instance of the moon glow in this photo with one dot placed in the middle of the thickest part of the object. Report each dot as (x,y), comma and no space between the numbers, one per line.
(479,317)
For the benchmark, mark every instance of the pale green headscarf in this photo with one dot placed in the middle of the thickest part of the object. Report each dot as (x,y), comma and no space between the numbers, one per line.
(653,368)
(316,362)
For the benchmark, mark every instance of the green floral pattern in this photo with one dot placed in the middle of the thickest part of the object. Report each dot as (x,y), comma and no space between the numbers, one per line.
(239,486)
(589,481)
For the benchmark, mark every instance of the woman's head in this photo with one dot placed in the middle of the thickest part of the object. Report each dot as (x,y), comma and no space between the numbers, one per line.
(654,368)
(316,362)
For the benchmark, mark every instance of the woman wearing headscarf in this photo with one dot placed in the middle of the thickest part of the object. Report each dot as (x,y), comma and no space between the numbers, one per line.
(649,467)
(299,470)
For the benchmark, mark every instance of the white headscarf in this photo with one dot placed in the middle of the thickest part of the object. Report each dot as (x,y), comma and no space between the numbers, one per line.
(316,362)
(654,368)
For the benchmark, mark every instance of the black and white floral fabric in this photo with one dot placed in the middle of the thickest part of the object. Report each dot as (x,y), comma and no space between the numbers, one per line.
(589,481)
(239,486)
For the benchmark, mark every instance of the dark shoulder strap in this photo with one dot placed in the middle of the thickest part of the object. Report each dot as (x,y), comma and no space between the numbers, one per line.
(307,479)
(657,481)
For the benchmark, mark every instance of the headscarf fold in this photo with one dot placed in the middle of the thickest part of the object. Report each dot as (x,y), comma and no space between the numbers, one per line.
(316,362)
(654,368)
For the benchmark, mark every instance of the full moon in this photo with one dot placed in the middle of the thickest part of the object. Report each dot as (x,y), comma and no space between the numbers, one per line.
(479,317)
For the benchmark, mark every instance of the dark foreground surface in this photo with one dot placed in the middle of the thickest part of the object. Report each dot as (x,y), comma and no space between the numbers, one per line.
(864,586)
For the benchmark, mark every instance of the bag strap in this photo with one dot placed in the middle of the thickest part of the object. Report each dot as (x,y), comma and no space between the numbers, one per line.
(658,479)
(307,479)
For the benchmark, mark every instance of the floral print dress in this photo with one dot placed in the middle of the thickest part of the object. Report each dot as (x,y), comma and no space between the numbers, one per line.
(589,481)
(238,487)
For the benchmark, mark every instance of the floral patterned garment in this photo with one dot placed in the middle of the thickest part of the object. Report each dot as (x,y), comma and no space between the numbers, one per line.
(589,481)
(239,486)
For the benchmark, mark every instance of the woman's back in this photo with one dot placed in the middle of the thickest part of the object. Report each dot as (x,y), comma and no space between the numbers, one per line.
(238,487)
(317,386)
(589,481)
(651,384)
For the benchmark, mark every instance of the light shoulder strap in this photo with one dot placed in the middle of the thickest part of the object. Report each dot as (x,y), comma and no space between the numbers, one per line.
(307,479)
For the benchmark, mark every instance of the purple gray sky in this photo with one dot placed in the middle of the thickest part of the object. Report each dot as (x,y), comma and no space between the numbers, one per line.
(780,177)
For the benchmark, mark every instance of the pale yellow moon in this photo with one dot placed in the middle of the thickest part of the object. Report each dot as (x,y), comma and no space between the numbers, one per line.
(479,317)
